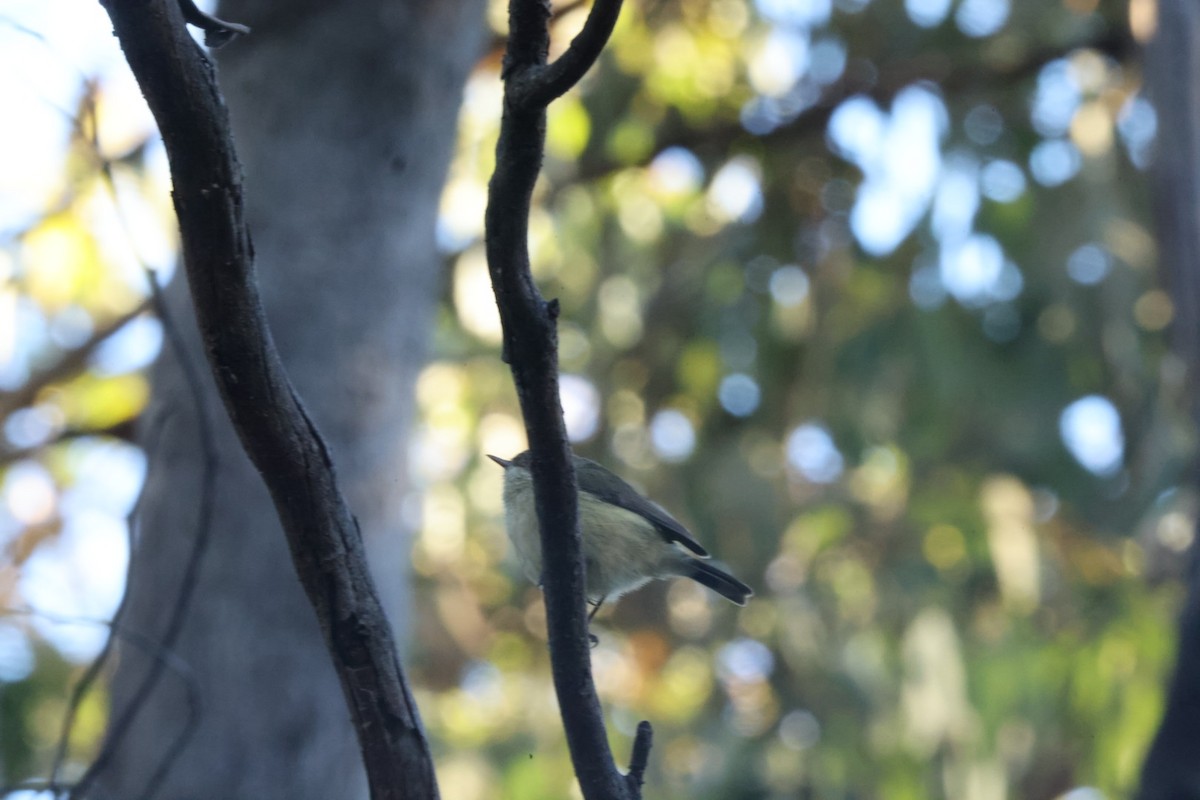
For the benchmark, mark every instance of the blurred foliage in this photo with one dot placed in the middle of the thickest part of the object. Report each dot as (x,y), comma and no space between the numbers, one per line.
(86,215)
(839,345)
(949,603)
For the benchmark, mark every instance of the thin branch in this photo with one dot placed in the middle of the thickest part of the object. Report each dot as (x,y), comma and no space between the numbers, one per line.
(84,684)
(531,348)
(155,650)
(70,364)
(209,465)
(538,87)
(200,538)
(122,431)
(881,84)
(275,430)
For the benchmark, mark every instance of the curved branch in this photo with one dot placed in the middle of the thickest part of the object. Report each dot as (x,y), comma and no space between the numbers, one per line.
(275,430)
(536,88)
(531,349)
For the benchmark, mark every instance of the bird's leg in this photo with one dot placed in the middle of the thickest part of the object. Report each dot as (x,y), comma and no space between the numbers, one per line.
(217,32)
(596,607)
(592,638)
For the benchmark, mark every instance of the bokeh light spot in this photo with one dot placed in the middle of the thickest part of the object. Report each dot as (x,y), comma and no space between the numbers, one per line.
(789,286)
(811,451)
(739,394)
(1054,162)
(1002,181)
(927,13)
(16,654)
(983,125)
(581,407)
(29,493)
(745,660)
(980,18)
(1091,429)
(672,435)
(735,193)
(799,730)
(1088,264)
(676,171)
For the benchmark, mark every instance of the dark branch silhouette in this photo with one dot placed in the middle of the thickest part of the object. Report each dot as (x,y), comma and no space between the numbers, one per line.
(531,349)
(537,87)
(281,440)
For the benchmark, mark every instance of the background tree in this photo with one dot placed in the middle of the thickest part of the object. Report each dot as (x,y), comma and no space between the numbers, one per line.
(344,230)
(866,293)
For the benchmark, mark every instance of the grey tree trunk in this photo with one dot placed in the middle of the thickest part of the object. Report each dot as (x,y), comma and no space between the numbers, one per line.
(344,116)
(1172,768)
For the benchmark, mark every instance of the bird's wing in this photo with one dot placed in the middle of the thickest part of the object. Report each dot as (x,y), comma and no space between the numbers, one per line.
(625,496)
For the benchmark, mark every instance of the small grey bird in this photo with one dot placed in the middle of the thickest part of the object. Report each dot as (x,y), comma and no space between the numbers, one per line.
(627,539)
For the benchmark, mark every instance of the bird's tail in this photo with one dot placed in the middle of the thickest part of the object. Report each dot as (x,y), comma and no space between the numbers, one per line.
(717,579)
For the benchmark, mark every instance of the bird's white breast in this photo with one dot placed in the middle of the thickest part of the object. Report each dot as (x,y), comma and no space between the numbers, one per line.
(622,549)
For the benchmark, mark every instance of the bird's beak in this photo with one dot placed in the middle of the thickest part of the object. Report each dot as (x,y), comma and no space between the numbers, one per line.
(502,462)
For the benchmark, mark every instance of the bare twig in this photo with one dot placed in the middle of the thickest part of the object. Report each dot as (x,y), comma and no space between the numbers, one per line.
(275,430)
(200,537)
(122,431)
(161,655)
(639,757)
(187,584)
(69,365)
(530,347)
(84,684)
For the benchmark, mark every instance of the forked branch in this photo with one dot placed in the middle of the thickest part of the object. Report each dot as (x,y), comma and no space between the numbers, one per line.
(531,349)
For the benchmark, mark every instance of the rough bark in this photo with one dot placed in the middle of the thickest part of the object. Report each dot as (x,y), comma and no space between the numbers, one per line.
(344,117)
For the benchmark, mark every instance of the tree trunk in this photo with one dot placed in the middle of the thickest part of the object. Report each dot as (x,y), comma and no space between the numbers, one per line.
(344,116)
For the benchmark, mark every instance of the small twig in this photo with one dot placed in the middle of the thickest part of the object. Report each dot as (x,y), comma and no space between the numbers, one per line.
(84,684)
(640,756)
(122,431)
(71,363)
(209,465)
(187,584)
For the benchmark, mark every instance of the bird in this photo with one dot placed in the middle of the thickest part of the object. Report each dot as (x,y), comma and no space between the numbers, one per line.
(628,540)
